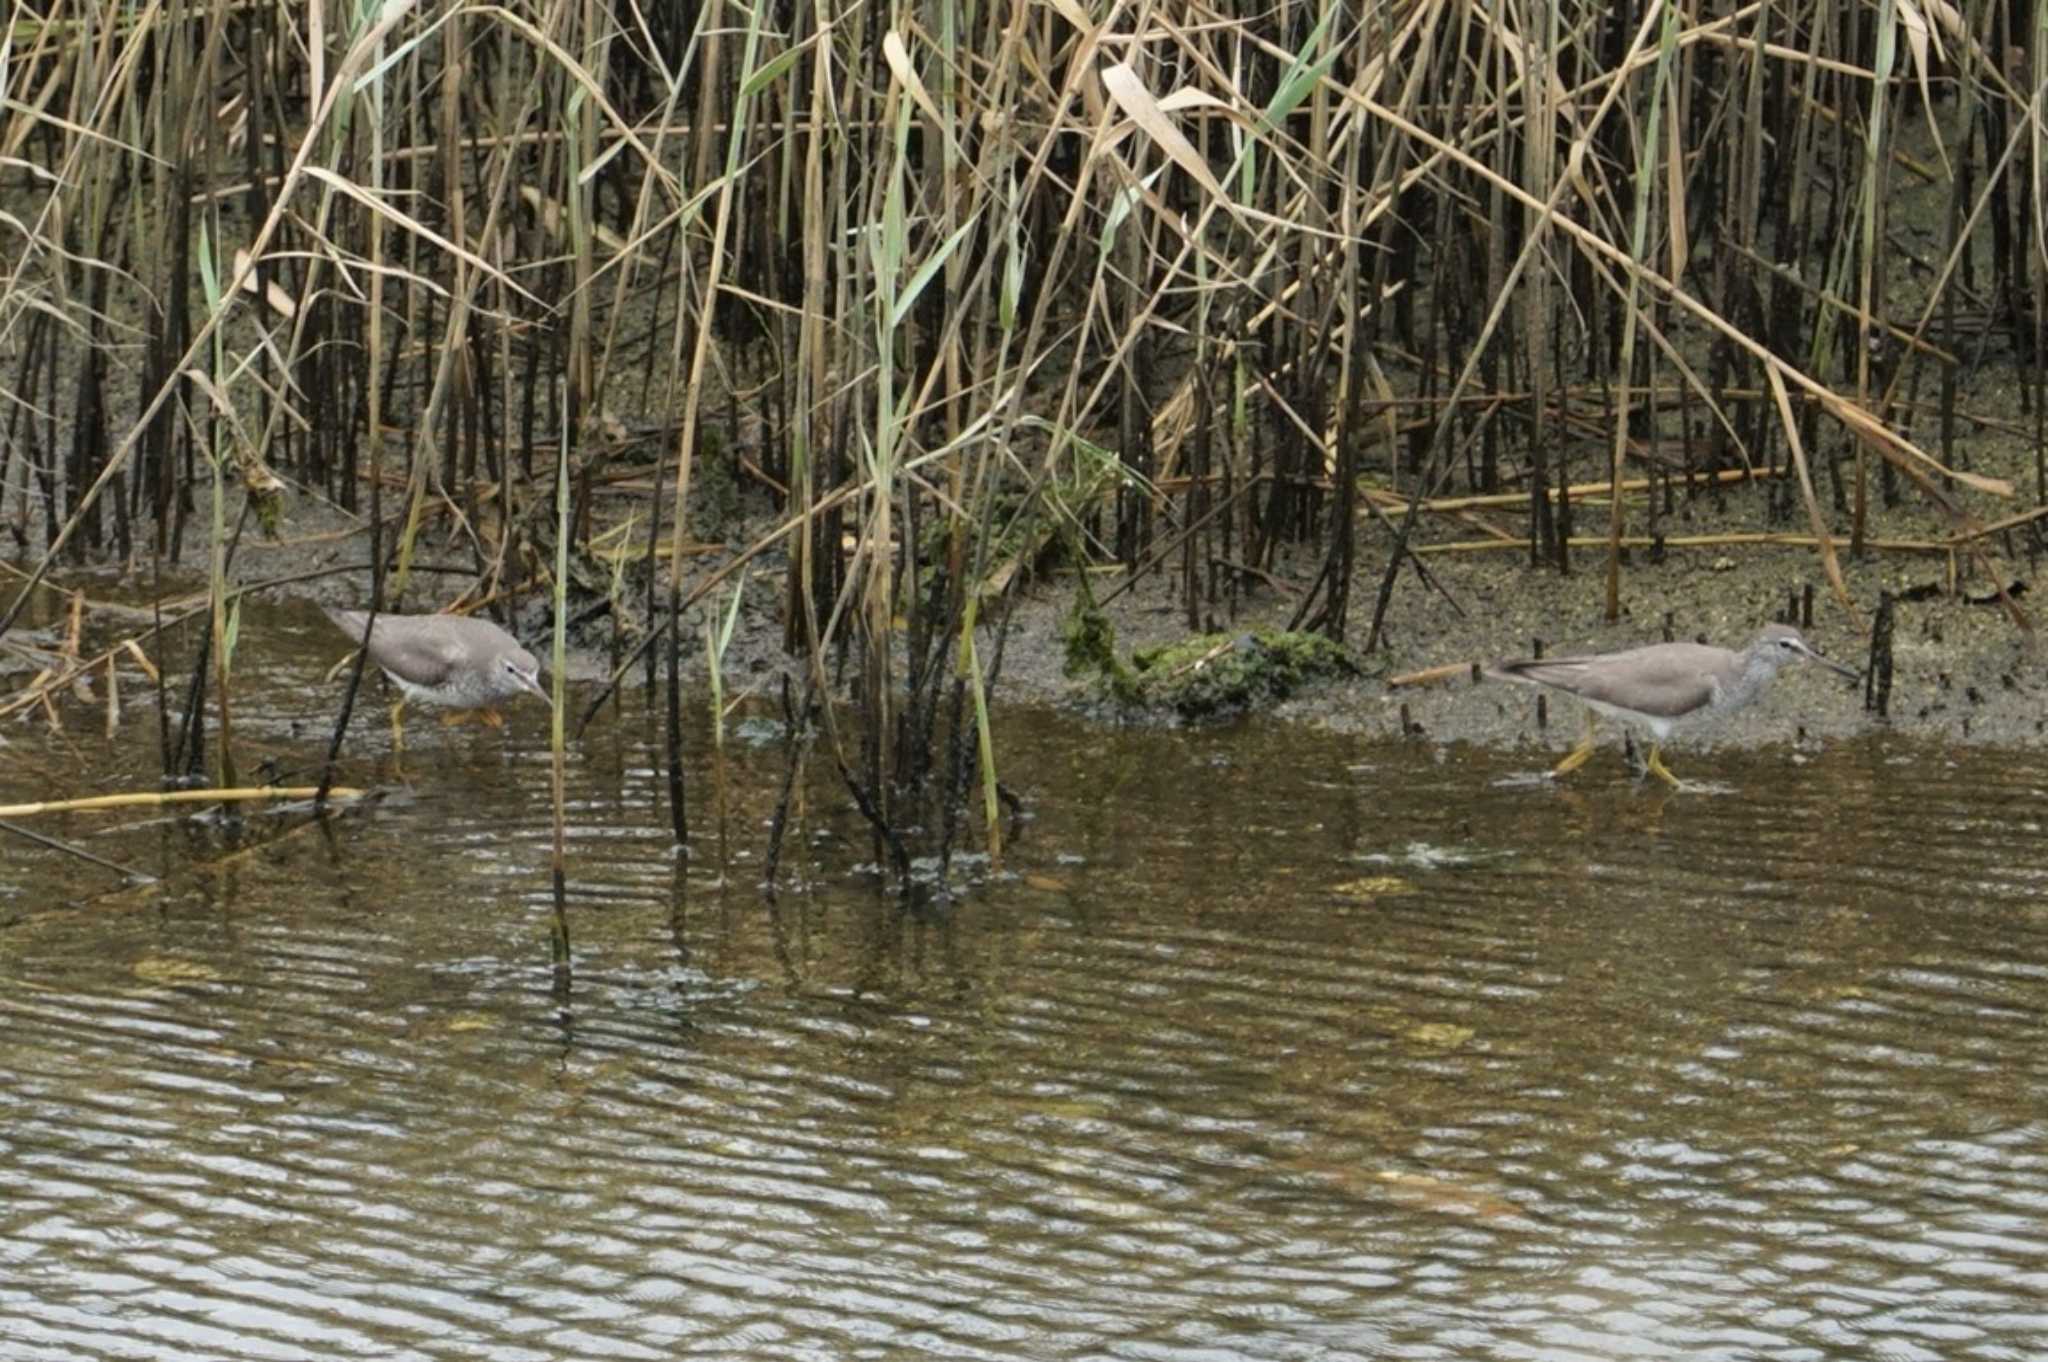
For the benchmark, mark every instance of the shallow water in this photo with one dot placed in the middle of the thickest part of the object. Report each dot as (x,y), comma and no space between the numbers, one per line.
(1260,1044)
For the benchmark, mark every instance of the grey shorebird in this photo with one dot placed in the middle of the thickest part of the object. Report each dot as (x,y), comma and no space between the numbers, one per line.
(453,661)
(1665,688)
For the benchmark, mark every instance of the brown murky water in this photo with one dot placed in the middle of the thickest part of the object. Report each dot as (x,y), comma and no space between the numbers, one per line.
(1260,1045)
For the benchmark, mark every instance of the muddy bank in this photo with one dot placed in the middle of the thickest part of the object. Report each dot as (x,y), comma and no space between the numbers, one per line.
(1962,672)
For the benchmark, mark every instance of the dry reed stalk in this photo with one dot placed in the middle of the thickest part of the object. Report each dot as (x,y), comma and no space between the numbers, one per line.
(1695,541)
(151,799)
(915,278)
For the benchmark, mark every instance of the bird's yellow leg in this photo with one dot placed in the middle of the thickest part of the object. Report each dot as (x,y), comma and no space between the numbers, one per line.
(398,728)
(1578,756)
(1658,769)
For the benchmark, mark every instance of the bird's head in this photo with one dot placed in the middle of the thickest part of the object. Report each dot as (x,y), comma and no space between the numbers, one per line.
(522,672)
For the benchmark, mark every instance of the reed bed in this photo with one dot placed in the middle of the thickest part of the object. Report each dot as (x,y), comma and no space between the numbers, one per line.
(910,301)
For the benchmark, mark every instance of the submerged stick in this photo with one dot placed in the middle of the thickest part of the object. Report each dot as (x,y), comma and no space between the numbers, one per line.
(29,834)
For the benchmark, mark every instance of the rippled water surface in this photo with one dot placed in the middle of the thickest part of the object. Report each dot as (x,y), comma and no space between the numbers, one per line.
(1258,1044)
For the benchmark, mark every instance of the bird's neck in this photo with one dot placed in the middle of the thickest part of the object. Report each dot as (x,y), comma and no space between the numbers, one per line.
(1754,678)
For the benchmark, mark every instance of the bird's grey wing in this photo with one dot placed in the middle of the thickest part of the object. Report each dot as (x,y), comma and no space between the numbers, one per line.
(449,651)
(1664,682)
(430,654)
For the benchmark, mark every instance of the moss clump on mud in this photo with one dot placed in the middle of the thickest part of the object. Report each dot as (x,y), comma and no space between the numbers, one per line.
(1216,675)
(1206,676)
(1091,650)
(1203,676)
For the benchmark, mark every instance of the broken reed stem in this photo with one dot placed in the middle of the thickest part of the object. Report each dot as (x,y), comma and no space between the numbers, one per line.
(145,799)
(1689,541)
(1449,671)
(38,691)
(1577,491)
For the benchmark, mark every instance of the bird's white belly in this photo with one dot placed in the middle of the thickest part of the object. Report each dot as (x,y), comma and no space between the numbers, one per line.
(1657,726)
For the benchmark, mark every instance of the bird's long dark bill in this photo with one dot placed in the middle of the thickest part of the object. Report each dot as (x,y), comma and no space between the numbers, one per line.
(1833,665)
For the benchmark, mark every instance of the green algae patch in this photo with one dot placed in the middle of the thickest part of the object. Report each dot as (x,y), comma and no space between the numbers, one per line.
(1206,676)
(1215,675)
(1203,676)
(1091,650)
